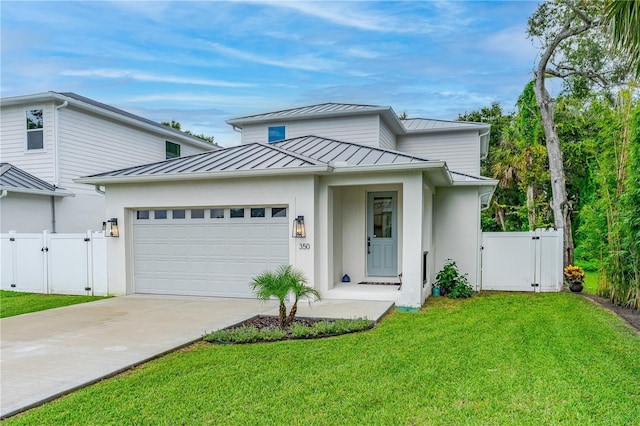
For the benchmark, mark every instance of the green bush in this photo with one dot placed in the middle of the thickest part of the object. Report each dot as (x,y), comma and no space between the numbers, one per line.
(329,328)
(246,335)
(452,283)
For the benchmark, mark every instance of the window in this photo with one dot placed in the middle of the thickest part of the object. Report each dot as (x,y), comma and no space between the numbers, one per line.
(239,212)
(257,212)
(160,214)
(276,133)
(217,214)
(35,129)
(179,214)
(278,212)
(142,214)
(197,213)
(172,150)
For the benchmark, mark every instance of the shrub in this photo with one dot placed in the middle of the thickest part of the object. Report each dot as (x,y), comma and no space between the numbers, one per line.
(452,283)
(246,335)
(329,328)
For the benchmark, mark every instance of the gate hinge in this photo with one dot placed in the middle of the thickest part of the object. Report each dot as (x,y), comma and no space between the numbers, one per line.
(87,239)
(12,239)
(13,285)
(87,289)
(535,238)
(44,249)
(535,285)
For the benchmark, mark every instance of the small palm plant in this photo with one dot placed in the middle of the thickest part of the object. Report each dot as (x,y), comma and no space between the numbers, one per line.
(279,284)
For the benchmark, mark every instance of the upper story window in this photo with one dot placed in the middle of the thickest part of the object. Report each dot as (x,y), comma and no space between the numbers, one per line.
(276,133)
(35,129)
(172,150)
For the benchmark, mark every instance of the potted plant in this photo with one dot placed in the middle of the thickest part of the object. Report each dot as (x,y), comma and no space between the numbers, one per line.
(435,289)
(574,277)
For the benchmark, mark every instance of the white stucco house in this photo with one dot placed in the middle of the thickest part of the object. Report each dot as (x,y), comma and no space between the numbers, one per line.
(382,200)
(49,139)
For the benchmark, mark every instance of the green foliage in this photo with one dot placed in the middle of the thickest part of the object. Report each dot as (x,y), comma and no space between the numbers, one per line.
(451,282)
(623,17)
(176,125)
(245,335)
(329,328)
(16,303)
(494,359)
(279,284)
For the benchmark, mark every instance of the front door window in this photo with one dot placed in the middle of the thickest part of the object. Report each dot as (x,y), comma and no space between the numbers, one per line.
(382,240)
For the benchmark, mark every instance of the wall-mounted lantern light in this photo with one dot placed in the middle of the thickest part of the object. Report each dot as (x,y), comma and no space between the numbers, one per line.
(298,228)
(110,228)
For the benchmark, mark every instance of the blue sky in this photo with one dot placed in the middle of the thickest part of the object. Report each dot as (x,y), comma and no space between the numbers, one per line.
(203,62)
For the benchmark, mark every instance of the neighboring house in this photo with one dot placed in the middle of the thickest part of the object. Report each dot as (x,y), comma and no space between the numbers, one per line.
(47,140)
(378,199)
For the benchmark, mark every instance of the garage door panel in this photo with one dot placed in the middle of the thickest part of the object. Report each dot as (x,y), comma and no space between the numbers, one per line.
(216,257)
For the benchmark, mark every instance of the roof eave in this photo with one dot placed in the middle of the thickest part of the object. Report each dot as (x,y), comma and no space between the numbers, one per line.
(478,127)
(486,182)
(53,96)
(218,174)
(56,193)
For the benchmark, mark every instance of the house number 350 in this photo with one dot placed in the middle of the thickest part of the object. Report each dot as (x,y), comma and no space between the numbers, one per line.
(304,246)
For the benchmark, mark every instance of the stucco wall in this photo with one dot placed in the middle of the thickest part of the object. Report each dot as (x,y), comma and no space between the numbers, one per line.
(457,230)
(25,213)
(295,192)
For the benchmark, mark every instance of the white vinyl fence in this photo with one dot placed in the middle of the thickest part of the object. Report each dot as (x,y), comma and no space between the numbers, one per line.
(54,263)
(522,261)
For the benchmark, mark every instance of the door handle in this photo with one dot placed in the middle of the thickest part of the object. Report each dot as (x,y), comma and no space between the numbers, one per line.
(368,245)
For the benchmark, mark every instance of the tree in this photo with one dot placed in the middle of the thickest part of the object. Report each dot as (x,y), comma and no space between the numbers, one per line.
(575,49)
(176,125)
(623,17)
(279,284)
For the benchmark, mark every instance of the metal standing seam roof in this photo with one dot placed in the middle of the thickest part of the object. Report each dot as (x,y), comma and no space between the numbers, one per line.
(326,108)
(15,179)
(296,153)
(419,124)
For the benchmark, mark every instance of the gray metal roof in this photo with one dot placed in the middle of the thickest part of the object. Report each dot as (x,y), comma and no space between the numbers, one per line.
(311,110)
(330,151)
(290,154)
(421,124)
(14,179)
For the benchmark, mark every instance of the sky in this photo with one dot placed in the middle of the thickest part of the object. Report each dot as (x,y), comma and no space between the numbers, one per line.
(203,62)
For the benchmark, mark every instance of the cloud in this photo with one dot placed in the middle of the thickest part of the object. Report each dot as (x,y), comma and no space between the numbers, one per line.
(304,62)
(510,43)
(147,77)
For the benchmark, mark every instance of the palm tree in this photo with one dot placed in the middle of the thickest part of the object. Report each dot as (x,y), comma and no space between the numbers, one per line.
(279,284)
(623,17)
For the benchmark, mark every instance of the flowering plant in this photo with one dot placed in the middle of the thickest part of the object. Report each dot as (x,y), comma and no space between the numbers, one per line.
(573,275)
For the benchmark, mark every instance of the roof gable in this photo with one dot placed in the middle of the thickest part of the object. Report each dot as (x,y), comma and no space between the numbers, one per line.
(15,179)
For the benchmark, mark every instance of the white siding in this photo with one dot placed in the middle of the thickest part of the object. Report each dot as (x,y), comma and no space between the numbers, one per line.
(13,141)
(387,137)
(461,150)
(363,130)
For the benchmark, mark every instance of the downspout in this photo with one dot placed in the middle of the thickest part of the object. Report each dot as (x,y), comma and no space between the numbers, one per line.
(98,190)
(483,156)
(56,141)
(3,193)
(53,214)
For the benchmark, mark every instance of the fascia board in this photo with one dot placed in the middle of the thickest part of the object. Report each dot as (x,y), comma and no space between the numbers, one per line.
(488,183)
(56,193)
(389,167)
(203,176)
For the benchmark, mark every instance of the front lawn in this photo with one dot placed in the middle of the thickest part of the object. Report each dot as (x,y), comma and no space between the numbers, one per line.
(494,359)
(16,303)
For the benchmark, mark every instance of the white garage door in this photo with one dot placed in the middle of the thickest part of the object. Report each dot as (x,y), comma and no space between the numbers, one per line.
(207,251)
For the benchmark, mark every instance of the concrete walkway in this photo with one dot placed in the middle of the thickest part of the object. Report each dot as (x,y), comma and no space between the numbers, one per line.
(50,353)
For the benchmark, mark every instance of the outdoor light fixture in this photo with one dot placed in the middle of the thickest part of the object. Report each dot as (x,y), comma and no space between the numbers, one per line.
(111,228)
(298,228)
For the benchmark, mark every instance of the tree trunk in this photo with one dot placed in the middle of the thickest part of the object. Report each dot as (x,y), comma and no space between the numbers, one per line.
(560,204)
(282,314)
(531,206)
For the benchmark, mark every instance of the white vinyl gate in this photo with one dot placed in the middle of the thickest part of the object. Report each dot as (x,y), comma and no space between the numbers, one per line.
(522,261)
(54,263)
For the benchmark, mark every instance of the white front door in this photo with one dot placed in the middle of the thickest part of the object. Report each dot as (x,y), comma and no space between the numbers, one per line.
(382,234)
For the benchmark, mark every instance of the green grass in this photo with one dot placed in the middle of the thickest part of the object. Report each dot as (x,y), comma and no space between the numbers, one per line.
(494,359)
(16,303)
(591,282)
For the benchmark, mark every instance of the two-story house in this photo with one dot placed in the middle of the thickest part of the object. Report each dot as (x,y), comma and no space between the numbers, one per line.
(368,206)
(49,139)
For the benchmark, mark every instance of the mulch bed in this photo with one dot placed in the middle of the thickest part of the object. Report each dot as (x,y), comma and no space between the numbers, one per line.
(266,321)
(631,316)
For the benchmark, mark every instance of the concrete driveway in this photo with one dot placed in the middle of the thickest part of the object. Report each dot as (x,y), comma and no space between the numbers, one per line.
(49,353)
